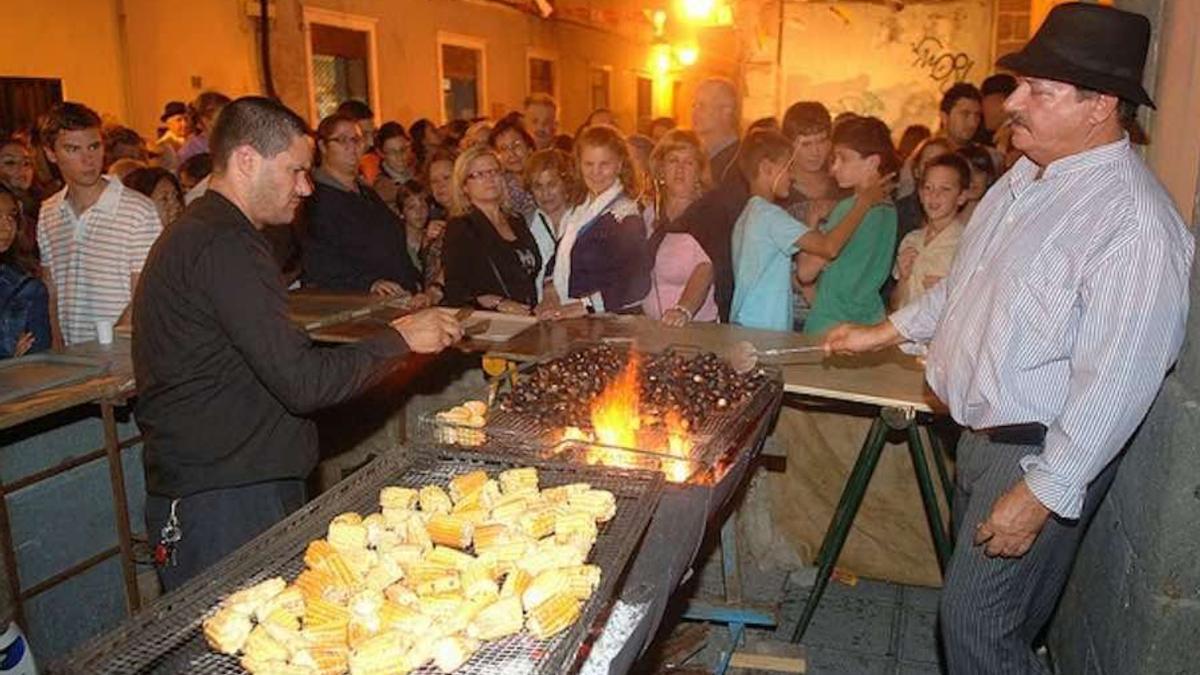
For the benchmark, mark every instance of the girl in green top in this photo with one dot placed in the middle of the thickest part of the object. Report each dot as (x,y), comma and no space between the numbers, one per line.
(848,288)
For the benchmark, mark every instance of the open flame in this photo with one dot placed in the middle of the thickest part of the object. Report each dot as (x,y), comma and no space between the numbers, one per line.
(616,418)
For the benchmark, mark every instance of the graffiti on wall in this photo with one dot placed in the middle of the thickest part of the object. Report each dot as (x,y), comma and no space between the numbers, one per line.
(860,103)
(941,63)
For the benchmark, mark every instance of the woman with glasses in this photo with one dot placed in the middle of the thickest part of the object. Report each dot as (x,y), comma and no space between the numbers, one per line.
(513,145)
(353,240)
(602,263)
(24,302)
(490,258)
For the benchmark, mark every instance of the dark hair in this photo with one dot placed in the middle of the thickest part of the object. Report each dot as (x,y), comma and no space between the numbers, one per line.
(207,104)
(146,179)
(914,135)
(806,118)
(1000,83)
(669,122)
(21,253)
(115,136)
(592,115)
(764,123)
(564,142)
(869,136)
(264,124)
(979,159)
(455,130)
(197,166)
(387,132)
(759,146)
(960,91)
(508,123)
(956,163)
(418,132)
(66,116)
(325,131)
(355,109)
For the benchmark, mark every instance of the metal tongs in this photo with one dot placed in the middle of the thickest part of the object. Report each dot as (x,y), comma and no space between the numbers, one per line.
(476,328)
(744,356)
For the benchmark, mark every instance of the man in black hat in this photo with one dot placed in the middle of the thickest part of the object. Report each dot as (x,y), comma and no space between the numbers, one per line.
(174,118)
(1050,337)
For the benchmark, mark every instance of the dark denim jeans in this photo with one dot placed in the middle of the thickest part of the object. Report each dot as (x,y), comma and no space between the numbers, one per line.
(24,308)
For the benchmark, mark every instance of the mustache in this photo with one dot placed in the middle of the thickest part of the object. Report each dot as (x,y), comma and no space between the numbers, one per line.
(1018,120)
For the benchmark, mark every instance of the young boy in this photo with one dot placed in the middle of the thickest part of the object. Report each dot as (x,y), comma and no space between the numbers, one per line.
(925,254)
(849,287)
(765,237)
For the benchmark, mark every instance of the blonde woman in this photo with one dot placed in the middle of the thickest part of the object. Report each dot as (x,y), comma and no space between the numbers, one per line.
(489,256)
(681,282)
(601,262)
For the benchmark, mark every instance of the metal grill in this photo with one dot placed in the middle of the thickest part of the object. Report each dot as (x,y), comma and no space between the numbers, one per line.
(166,637)
(714,440)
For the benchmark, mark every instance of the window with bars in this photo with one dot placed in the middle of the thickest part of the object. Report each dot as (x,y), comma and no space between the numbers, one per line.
(462,75)
(339,67)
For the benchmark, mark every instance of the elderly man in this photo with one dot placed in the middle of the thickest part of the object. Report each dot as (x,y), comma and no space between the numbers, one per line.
(710,218)
(715,118)
(225,381)
(1050,337)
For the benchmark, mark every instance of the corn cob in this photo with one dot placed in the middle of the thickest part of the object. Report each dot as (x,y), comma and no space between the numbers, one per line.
(499,619)
(509,507)
(347,531)
(599,503)
(287,635)
(260,645)
(574,524)
(321,585)
(324,660)
(549,555)
(249,599)
(440,605)
(463,615)
(393,616)
(515,583)
(376,526)
(474,516)
(554,615)
(563,493)
(508,554)
(326,635)
(403,554)
(543,587)
(227,630)
(361,629)
(452,652)
(477,581)
(415,533)
(379,655)
(318,612)
(384,574)
(290,602)
(467,484)
(582,580)
(317,553)
(434,499)
(489,494)
(449,530)
(401,595)
(280,618)
(260,666)
(448,582)
(490,534)
(537,523)
(515,481)
(397,498)
(359,561)
(397,519)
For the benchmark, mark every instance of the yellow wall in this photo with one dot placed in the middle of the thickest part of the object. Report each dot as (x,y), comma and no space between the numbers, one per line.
(77,42)
(1174,151)
(873,60)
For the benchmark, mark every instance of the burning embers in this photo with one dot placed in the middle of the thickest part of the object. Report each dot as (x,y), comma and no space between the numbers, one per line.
(619,407)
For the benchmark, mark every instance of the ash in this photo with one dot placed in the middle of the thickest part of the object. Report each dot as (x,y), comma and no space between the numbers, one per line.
(621,622)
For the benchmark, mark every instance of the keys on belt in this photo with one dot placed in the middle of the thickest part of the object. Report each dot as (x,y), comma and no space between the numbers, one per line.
(168,539)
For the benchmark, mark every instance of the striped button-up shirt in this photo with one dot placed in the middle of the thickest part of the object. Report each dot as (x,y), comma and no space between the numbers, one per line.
(1065,305)
(93,255)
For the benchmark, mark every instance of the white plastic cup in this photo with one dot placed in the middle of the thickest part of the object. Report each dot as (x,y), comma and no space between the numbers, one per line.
(104,332)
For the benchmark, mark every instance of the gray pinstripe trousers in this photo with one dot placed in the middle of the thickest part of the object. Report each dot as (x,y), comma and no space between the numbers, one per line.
(992,609)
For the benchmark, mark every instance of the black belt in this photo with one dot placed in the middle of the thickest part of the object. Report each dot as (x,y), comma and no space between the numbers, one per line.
(1033,433)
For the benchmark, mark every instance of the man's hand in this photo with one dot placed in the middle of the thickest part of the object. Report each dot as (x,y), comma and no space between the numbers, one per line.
(430,330)
(24,344)
(879,190)
(1014,523)
(569,310)
(849,338)
(386,287)
(904,262)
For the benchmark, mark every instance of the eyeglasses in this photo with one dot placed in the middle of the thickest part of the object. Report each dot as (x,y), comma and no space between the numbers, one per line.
(347,140)
(486,173)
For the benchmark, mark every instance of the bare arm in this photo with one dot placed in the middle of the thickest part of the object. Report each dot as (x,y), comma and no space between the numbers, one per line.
(56,337)
(126,317)
(696,289)
(829,245)
(808,268)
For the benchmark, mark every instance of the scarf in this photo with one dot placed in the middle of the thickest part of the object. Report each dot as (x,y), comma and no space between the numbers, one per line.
(575,222)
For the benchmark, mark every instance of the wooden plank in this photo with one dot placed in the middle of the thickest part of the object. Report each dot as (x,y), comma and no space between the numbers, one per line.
(117,381)
(778,664)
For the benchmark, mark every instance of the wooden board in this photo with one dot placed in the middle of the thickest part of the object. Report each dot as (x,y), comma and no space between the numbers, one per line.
(115,382)
(25,376)
(888,378)
(316,309)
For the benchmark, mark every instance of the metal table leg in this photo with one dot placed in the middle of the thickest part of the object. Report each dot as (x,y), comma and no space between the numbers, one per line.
(116,472)
(925,483)
(843,518)
(939,459)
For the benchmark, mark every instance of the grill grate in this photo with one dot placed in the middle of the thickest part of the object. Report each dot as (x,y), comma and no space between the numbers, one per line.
(714,440)
(166,637)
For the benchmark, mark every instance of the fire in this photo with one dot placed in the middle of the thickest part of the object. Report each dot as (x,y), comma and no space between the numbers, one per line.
(617,429)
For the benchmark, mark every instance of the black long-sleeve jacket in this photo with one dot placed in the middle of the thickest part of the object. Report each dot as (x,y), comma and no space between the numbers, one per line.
(224,378)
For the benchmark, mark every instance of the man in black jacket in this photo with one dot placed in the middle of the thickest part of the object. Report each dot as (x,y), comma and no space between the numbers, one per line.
(225,380)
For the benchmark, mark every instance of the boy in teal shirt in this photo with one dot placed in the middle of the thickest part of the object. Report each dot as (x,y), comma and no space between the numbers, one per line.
(848,288)
(766,237)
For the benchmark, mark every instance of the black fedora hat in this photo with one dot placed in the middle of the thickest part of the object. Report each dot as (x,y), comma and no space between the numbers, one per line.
(172,109)
(1089,46)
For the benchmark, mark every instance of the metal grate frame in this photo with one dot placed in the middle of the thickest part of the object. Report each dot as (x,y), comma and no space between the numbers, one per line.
(166,637)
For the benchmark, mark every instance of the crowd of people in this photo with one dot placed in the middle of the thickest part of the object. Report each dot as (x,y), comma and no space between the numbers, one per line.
(799,224)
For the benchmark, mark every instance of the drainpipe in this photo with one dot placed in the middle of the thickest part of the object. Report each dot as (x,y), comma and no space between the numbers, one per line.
(264,7)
